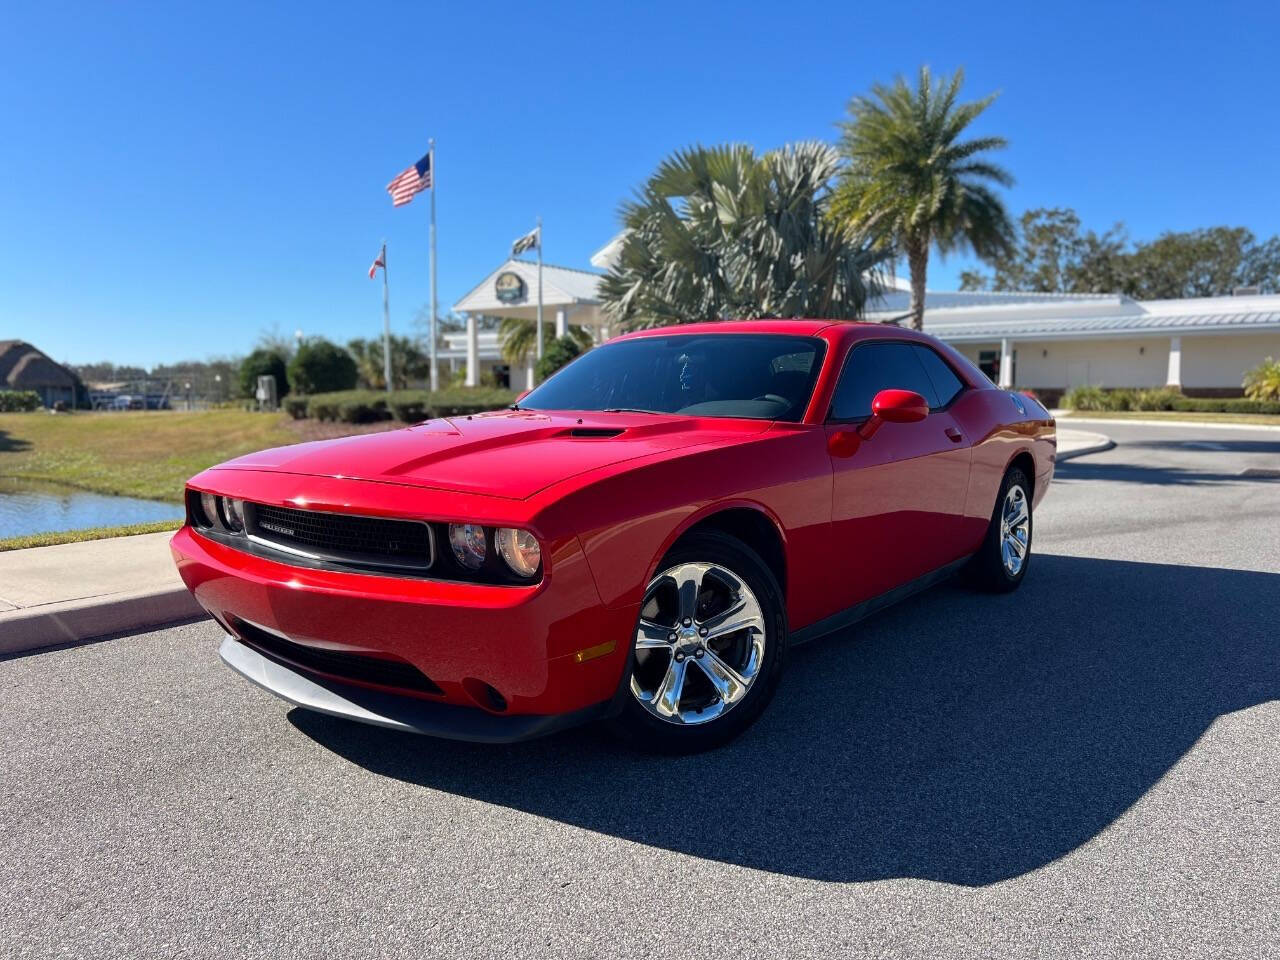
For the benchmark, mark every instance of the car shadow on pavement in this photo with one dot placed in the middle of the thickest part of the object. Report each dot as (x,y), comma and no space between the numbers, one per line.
(960,737)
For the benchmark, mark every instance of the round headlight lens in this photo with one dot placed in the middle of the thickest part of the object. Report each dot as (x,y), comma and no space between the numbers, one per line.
(233,514)
(209,507)
(467,542)
(520,550)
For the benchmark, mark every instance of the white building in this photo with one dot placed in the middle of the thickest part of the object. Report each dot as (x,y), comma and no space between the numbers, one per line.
(1049,342)
(1041,341)
(568,297)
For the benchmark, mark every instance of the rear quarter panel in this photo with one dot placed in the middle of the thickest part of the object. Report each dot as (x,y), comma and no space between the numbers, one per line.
(1000,432)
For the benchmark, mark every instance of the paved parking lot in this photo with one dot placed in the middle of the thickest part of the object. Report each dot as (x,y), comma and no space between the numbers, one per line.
(1089,766)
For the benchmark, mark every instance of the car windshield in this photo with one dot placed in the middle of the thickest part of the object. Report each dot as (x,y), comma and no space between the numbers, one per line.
(757,376)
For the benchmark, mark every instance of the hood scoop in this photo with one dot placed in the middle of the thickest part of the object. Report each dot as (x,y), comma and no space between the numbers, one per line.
(593,433)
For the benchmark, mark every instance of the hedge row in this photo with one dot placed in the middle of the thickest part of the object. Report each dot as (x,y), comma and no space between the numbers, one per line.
(1161,398)
(1095,398)
(19,401)
(1226,405)
(407,406)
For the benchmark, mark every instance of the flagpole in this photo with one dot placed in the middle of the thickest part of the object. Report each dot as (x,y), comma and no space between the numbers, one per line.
(539,287)
(386,320)
(435,382)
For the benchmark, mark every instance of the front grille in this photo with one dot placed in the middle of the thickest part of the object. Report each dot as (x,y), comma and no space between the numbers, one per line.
(343,538)
(336,663)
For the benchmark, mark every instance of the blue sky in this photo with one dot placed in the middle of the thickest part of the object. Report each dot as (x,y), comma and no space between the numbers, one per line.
(176,179)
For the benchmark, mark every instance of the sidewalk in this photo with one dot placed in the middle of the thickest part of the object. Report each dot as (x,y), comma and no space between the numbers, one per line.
(1187,423)
(77,591)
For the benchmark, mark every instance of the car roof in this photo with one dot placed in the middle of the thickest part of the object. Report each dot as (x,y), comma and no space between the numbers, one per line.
(798,328)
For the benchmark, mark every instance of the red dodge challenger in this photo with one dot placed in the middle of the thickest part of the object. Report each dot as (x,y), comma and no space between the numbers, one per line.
(639,538)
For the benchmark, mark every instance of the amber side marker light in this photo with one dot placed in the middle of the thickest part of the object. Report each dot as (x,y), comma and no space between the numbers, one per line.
(591,653)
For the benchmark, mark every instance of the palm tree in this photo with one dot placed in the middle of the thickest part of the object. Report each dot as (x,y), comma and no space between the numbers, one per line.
(721,232)
(519,338)
(407,362)
(912,183)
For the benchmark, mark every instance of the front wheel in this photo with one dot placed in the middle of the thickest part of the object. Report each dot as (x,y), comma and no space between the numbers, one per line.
(1002,561)
(708,649)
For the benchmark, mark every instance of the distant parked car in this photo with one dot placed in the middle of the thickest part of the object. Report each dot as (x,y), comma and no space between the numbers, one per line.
(639,538)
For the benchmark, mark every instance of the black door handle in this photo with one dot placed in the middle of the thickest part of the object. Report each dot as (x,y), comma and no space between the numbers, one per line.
(954,435)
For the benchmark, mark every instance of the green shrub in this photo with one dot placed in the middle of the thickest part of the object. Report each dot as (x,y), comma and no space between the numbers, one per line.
(261,363)
(1085,398)
(1122,399)
(1226,405)
(1263,381)
(410,406)
(407,406)
(1162,398)
(321,367)
(363,410)
(296,407)
(19,401)
(557,353)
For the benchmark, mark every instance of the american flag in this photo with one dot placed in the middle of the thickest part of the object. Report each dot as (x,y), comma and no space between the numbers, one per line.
(412,181)
(379,261)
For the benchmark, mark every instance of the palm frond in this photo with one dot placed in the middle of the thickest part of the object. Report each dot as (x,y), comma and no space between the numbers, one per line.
(909,182)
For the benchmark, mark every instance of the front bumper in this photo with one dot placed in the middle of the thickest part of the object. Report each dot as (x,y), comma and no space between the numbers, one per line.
(410,714)
(548,649)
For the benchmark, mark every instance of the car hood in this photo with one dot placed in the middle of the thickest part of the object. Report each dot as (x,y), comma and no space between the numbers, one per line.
(511,453)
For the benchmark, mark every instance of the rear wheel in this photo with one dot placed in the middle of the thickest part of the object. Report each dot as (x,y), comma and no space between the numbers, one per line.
(708,649)
(1002,561)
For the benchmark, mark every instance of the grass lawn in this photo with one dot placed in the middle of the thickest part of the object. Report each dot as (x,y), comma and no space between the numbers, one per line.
(1174,416)
(94,533)
(148,454)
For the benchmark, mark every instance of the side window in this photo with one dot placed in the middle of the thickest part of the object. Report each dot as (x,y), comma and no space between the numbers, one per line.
(877,366)
(945,382)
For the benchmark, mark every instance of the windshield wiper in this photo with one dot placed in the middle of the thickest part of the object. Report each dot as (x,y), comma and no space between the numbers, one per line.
(656,413)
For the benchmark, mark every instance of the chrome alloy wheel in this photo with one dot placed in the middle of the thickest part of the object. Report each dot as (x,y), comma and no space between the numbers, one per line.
(699,644)
(1015,529)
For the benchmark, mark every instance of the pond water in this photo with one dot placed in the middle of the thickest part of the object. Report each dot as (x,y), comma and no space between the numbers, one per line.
(45,508)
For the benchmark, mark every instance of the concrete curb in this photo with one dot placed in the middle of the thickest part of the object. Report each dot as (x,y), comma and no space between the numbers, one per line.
(1102,444)
(1066,421)
(76,621)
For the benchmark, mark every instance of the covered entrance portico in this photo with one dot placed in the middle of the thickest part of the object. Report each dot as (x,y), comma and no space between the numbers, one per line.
(568,297)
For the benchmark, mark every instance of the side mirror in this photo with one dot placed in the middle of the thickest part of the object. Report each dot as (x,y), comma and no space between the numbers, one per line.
(894,406)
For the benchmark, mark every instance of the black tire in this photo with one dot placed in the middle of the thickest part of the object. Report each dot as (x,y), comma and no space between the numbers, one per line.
(636,725)
(988,570)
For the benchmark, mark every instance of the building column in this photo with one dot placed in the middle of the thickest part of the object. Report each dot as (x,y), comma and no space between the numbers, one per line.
(1174,378)
(473,351)
(528,376)
(1006,363)
(562,322)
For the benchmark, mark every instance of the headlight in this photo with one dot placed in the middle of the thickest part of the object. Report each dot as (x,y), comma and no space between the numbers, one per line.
(209,507)
(468,543)
(520,550)
(233,514)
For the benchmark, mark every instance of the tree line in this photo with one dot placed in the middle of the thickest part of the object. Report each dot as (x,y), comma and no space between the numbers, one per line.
(1054,255)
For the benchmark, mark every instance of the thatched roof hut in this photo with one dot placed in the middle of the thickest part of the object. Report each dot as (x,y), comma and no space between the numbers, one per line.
(23,367)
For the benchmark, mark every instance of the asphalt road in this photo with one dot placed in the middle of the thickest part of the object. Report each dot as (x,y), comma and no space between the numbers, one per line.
(1090,766)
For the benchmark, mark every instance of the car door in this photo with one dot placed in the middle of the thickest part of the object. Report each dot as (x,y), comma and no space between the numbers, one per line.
(898,497)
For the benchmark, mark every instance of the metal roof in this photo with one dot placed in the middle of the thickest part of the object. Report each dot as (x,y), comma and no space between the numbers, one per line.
(899,300)
(966,328)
